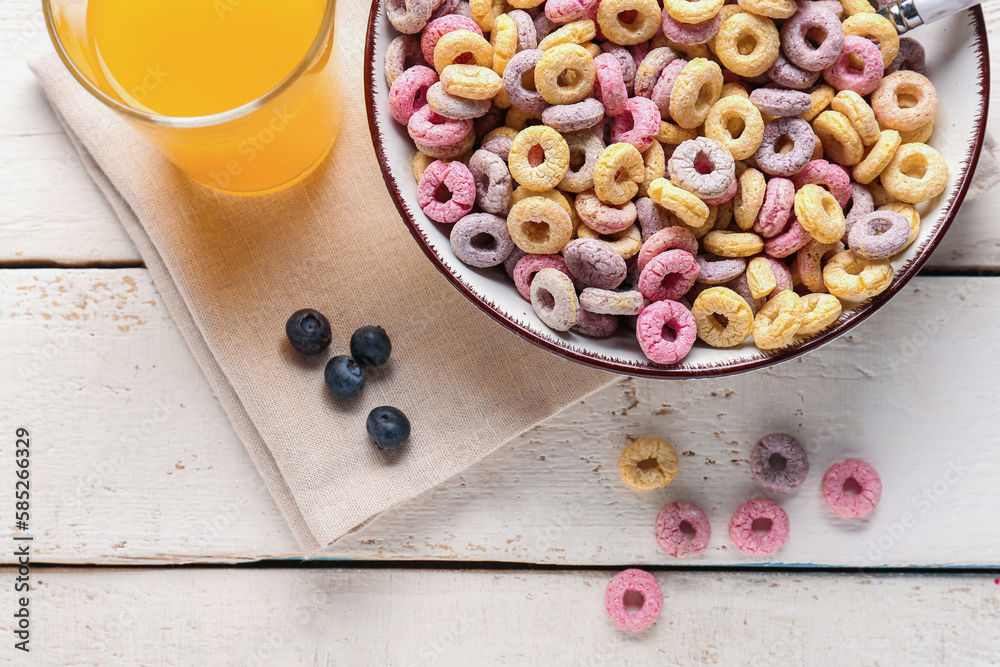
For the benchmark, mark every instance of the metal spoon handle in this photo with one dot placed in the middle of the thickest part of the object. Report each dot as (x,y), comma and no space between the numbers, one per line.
(908,14)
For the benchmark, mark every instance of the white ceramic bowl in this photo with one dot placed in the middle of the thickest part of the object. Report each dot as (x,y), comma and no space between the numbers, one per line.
(957,64)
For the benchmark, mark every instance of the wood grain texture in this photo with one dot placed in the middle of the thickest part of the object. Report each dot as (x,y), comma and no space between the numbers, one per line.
(135,462)
(52,212)
(431,617)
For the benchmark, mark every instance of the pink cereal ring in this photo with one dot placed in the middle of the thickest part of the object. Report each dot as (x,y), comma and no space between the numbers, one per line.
(689,34)
(668,276)
(609,84)
(649,330)
(438,28)
(408,93)
(431,129)
(673,536)
(764,511)
(459,181)
(665,85)
(668,238)
(726,196)
(831,176)
(788,242)
(564,11)
(809,264)
(633,581)
(837,488)
(529,265)
(779,199)
(638,124)
(842,76)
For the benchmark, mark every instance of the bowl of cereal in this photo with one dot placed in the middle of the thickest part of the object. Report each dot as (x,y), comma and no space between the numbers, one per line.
(705,189)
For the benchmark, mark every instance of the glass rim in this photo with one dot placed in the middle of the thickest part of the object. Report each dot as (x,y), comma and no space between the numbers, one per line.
(326,26)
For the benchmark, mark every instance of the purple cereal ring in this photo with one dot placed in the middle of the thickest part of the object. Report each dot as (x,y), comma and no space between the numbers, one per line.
(595,325)
(408,93)
(526,36)
(668,276)
(604,218)
(676,538)
(780,102)
(652,217)
(594,263)
(860,204)
(608,302)
(790,241)
(759,510)
(448,151)
(779,200)
(879,235)
(513,258)
(779,463)
(457,179)
(787,75)
(451,106)
(609,85)
(803,139)
(650,70)
(633,581)
(544,26)
(741,286)
(438,28)
(808,26)
(451,7)
(564,11)
(494,185)
(430,129)
(553,298)
(852,488)
(689,34)
(726,197)
(842,76)
(529,265)
(809,265)
(668,238)
(702,166)
(625,61)
(402,54)
(499,146)
(409,16)
(910,56)
(650,328)
(665,85)
(831,176)
(488,122)
(638,124)
(574,117)
(513,84)
(714,270)
(481,240)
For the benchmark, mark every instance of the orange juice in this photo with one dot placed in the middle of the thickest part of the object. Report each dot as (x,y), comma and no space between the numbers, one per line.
(185,59)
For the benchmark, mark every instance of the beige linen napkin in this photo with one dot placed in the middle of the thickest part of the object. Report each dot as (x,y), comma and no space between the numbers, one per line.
(231,270)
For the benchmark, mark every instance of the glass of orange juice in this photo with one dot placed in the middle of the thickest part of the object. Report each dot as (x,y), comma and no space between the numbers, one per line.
(241,95)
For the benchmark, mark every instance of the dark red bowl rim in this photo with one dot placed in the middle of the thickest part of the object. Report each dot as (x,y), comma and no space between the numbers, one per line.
(859,315)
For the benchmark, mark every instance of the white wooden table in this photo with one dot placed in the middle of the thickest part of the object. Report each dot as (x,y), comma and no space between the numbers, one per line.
(156,542)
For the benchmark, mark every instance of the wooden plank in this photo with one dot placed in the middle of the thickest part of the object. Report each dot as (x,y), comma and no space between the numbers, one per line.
(439,617)
(135,462)
(52,212)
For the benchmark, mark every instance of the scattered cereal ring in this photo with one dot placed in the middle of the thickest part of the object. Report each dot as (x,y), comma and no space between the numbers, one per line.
(609,84)
(499,141)
(403,53)
(447,151)
(779,463)
(697,88)
(760,276)
(877,29)
(526,36)
(408,16)
(626,243)
(664,85)
(819,213)
(564,11)
(483,12)
(617,174)
(471,82)
(831,176)
(761,510)
(671,134)
(650,328)
(911,215)
(714,270)
(779,199)
(638,124)
(716,301)
(509,264)
(539,226)
(651,68)
(595,325)
(604,218)
(793,239)
(747,44)
(861,115)
(840,140)
(813,39)
(457,179)
(566,118)
(652,217)
(567,62)
(493,182)
(920,159)
(442,26)
(911,86)
(607,302)
(456,44)
(584,149)
(668,276)
(682,530)
(842,498)
(528,265)
(522,64)
(819,311)
(740,286)
(822,95)
(910,57)
(852,7)
(778,131)
(842,76)
(778,321)
(775,9)
(481,240)
(788,75)
(689,34)
(726,116)
(778,102)
(879,235)
(637,30)
(408,93)
(429,129)
(488,122)
(702,166)
(576,32)
(625,61)
(878,157)
(697,11)
(668,238)
(553,164)
(859,205)
(654,166)
(648,463)
(553,298)
(691,210)
(594,263)
(451,106)
(634,581)
(850,276)
(732,244)
(749,198)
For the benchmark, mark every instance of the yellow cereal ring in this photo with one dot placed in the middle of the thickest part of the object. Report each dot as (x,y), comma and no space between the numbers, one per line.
(484,12)
(819,311)
(859,113)
(749,198)
(459,42)
(760,277)
(772,9)
(519,119)
(640,29)
(736,124)
(908,212)
(688,208)
(778,321)
(909,88)
(674,135)
(733,244)
(878,157)
(852,7)
(819,213)
(723,216)
(554,160)
(503,39)
(822,96)
(648,463)
(686,11)
(575,32)
(878,29)
(593,49)
(420,163)
(626,243)
(929,167)
(505,132)
(841,142)
(724,13)
(617,173)
(686,51)
(697,88)
(524,4)
(747,44)
(917,136)
(850,276)
(539,226)
(880,197)
(733,89)
(725,302)
(471,82)
(521,192)
(654,166)
(565,74)
(501,100)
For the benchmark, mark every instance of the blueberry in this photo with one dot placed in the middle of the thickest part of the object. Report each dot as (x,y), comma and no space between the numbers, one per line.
(344,377)
(308,331)
(371,346)
(388,427)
